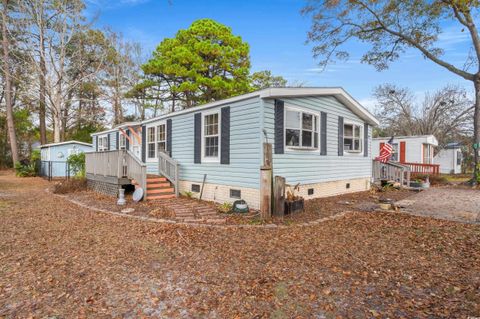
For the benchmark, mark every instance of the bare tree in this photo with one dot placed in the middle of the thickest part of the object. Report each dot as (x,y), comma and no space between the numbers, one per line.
(445,113)
(8,81)
(391,27)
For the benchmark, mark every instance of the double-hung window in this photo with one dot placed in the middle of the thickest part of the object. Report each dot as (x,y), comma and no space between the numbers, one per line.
(151,142)
(301,129)
(211,136)
(161,138)
(352,138)
(122,143)
(102,143)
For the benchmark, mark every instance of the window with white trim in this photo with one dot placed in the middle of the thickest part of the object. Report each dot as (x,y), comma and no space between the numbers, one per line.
(211,136)
(352,138)
(122,143)
(161,138)
(395,152)
(151,142)
(301,129)
(102,143)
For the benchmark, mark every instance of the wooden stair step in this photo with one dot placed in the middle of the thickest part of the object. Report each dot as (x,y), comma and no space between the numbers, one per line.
(156,179)
(155,197)
(160,190)
(158,185)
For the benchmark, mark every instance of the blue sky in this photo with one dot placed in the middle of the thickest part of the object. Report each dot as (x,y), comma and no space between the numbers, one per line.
(277,33)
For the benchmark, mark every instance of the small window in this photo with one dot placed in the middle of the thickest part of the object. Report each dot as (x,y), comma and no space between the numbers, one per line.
(310,191)
(151,142)
(211,136)
(347,186)
(352,138)
(301,129)
(161,137)
(122,143)
(102,143)
(394,157)
(195,188)
(235,193)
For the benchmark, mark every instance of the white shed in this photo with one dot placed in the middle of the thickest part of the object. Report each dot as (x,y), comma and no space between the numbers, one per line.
(450,159)
(408,149)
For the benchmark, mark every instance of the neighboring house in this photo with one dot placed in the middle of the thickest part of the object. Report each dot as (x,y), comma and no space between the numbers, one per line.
(321,139)
(450,159)
(408,149)
(54,156)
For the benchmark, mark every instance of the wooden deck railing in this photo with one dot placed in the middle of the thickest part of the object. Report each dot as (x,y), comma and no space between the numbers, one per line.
(392,172)
(168,167)
(423,169)
(118,164)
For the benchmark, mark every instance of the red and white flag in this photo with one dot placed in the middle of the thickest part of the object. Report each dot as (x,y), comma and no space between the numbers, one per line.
(386,152)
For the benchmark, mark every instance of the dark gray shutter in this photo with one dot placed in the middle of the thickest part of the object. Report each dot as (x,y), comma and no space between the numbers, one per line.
(365,140)
(127,141)
(323,133)
(144,143)
(197,143)
(169,137)
(118,141)
(108,141)
(225,136)
(279,130)
(340,136)
(96,143)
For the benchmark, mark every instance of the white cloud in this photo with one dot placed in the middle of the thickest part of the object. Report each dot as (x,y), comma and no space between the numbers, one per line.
(368,103)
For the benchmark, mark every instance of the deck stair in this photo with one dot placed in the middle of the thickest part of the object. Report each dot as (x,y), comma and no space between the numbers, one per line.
(159,188)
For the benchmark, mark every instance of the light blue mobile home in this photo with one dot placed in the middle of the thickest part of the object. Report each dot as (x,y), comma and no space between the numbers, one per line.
(54,157)
(321,139)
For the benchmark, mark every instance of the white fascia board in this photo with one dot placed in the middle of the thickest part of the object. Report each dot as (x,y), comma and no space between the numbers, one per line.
(66,142)
(338,92)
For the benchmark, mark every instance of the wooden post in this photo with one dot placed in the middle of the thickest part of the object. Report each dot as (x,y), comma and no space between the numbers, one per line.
(267,155)
(279,196)
(266,182)
(265,193)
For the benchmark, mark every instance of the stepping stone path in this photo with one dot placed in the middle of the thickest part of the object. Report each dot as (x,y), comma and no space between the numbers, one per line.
(190,211)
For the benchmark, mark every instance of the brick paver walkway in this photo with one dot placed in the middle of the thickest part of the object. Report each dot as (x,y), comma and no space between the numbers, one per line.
(190,211)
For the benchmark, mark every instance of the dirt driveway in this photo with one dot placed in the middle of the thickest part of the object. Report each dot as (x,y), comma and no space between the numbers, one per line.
(61,261)
(450,203)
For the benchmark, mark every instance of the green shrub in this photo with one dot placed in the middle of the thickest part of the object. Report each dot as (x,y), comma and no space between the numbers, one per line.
(28,168)
(76,163)
(25,170)
(225,208)
(187,194)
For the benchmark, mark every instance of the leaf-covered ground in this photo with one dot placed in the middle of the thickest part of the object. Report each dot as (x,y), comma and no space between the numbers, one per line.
(60,260)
